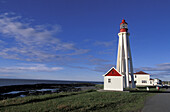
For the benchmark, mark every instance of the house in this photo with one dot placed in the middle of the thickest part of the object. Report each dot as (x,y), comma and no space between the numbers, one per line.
(142,79)
(113,80)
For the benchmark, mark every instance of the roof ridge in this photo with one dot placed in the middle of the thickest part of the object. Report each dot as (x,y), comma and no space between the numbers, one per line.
(141,72)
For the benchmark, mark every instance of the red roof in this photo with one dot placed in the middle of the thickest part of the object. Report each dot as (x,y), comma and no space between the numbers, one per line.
(140,72)
(112,72)
(123,21)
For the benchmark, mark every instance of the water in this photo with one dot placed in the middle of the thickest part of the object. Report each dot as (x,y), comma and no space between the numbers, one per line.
(30,91)
(13,92)
(23,93)
(8,82)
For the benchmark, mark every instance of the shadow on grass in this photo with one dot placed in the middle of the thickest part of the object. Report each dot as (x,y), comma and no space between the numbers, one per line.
(49,98)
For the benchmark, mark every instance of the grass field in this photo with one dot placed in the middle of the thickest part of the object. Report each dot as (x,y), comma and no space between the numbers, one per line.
(83,101)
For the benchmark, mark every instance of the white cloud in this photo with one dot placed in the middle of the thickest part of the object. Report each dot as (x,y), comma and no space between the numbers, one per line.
(79,51)
(36,43)
(159,71)
(30,68)
(159,67)
(97,61)
(4,75)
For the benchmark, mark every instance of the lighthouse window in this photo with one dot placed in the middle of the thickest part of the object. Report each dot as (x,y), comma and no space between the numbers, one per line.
(109,80)
(123,26)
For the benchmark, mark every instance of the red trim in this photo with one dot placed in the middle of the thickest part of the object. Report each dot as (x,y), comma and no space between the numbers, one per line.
(140,72)
(113,72)
(123,30)
(123,21)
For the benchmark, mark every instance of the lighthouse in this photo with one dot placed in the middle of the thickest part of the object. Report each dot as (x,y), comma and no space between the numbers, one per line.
(124,58)
(121,77)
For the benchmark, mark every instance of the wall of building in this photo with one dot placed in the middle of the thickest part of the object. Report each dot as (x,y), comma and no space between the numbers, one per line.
(152,82)
(142,80)
(113,83)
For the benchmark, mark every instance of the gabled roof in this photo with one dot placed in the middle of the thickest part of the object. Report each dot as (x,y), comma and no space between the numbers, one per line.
(141,72)
(112,72)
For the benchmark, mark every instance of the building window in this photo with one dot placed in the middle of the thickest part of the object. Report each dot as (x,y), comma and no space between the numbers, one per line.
(135,76)
(109,80)
(150,82)
(144,81)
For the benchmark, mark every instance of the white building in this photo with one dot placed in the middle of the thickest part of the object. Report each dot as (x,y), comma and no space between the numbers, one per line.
(152,82)
(157,82)
(113,80)
(143,79)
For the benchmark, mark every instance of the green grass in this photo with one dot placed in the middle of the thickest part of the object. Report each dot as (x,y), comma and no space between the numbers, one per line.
(99,86)
(83,101)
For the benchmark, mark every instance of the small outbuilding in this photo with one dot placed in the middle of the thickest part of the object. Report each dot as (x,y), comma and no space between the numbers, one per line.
(157,82)
(113,80)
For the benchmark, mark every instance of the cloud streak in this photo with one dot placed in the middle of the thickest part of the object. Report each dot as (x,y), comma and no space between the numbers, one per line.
(159,71)
(37,43)
(29,68)
(159,67)
(22,40)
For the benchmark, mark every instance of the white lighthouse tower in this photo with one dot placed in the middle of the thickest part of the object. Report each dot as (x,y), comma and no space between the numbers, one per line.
(124,58)
(121,77)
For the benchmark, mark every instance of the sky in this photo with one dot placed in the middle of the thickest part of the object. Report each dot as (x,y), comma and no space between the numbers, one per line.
(78,39)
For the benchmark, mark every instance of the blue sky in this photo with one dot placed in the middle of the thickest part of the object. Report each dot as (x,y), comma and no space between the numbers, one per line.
(77,39)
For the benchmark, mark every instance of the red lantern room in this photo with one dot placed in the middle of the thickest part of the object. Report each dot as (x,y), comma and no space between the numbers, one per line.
(123,26)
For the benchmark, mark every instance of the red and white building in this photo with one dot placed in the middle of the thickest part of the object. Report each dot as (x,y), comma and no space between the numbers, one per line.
(113,80)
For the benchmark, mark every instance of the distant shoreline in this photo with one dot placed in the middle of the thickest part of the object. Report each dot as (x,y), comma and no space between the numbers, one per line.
(10,82)
(37,89)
